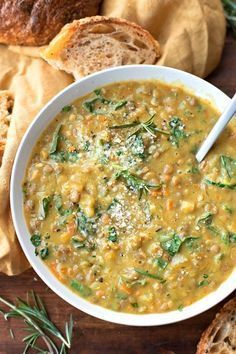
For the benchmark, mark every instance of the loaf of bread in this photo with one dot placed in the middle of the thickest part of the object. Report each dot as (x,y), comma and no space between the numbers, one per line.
(95,43)
(220,336)
(6,105)
(36,22)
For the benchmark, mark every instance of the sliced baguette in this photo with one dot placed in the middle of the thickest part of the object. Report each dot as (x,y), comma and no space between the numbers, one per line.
(6,105)
(95,43)
(220,336)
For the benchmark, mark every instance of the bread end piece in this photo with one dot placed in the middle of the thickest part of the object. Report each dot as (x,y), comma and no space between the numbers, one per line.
(96,43)
(6,106)
(220,336)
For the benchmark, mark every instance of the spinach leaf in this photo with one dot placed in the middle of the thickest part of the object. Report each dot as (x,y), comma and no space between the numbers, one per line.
(55,139)
(85,225)
(84,290)
(173,245)
(177,131)
(149,275)
(220,184)
(44,208)
(228,165)
(112,234)
(36,240)
(67,108)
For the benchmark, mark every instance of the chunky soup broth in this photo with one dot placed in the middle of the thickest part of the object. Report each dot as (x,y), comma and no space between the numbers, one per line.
(118,207)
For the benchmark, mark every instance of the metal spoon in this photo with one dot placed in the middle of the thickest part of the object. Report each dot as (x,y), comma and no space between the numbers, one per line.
(224,119)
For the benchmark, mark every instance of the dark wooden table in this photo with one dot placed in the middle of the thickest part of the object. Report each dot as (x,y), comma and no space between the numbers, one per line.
(93,336)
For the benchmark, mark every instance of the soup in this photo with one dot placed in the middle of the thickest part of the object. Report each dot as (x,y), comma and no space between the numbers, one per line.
(118,207)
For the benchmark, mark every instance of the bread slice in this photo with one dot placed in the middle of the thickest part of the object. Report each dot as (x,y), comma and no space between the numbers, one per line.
(95,43)
(220,336)
(6,105)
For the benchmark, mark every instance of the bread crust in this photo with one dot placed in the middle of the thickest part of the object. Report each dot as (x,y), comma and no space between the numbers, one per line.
(224,320)
(72,35)
(6,106)
(36,22)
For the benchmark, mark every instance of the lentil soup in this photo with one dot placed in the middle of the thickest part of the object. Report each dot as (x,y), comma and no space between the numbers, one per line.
(118,207)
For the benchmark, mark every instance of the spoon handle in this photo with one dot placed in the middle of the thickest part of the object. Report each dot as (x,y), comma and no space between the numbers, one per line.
(226,116)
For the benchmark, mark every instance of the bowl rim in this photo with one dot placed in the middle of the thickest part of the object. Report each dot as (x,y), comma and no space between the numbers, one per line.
(153,319)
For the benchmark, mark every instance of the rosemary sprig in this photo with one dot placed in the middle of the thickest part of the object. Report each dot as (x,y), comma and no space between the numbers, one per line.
(149,126)
(230,14)
(135,183)
(39,325)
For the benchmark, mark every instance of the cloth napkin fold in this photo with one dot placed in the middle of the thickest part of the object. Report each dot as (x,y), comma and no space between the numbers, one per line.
(191,34)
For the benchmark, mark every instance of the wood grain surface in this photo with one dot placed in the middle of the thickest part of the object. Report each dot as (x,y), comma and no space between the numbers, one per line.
(93,336)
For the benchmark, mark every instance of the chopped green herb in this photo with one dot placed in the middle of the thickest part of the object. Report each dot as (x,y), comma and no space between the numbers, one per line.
(220,184)
(62,156)
(44,208)
(180,307)
(177,131)
(86,146)
(121,296)
(162,263)
(35,240)
(55,139)
(202,283)
(228,209)
(104,160)
(58,202)
(84,290)
(112,234)
(67,108)
(194,149)
(93,105)
(228,165)
(205,219)
(228,237)
(150,275)
(149,126)
(135,305)
(113,204)
(136,184)
(194,170)
(44,252)
(77,244)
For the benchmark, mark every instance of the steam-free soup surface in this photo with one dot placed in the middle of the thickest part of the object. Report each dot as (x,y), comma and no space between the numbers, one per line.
(118,207)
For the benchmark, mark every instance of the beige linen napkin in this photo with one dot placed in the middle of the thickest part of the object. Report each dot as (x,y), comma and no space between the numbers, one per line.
(32,83)
(191,32)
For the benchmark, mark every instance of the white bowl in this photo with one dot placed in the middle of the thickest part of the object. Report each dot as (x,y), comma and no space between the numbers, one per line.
(200,88)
